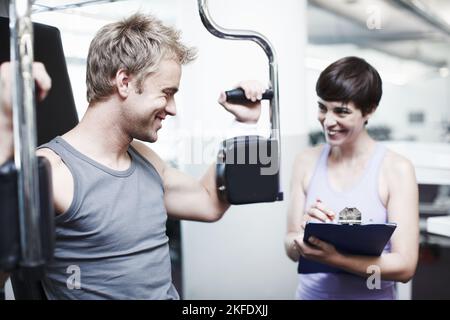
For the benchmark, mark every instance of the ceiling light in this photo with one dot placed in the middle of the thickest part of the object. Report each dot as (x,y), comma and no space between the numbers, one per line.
(444,72)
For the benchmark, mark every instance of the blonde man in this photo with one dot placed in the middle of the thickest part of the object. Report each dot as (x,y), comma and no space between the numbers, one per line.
(113,194)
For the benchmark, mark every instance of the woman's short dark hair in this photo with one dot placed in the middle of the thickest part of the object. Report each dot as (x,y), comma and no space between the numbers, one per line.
(351,79)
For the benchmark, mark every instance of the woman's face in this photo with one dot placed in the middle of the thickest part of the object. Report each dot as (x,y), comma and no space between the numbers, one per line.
(342,123)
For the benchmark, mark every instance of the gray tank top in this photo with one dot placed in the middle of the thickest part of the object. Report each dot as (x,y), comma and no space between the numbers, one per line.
(111,243)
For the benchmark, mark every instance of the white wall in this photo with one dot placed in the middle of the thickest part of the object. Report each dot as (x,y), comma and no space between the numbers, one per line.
(430,96)
(242,256)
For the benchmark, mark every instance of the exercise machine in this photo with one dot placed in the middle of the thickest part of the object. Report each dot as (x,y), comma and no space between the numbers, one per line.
(27,219)
(248,167)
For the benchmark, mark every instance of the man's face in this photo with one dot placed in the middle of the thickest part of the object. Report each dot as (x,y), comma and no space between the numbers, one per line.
(144,112)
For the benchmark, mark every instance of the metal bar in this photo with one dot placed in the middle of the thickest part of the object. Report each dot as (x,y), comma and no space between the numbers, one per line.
(263,42)
(44,8)
(25,132)
(422,11)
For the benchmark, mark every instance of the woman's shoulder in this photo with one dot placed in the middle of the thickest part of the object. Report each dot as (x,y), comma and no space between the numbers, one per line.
(305,162)
(396,165)
(306,159)
(309,155)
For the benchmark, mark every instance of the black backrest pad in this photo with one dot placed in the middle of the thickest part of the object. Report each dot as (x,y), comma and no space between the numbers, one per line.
(57,113)
(55,116)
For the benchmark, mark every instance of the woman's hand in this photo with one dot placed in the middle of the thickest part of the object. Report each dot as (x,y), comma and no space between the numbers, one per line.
(318,212)
(248,112)
(317,250)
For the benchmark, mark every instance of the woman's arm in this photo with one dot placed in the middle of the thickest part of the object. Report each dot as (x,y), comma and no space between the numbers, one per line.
(303,164)
(403,209)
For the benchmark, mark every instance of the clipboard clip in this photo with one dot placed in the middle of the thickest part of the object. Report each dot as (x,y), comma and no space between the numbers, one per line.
(350,216)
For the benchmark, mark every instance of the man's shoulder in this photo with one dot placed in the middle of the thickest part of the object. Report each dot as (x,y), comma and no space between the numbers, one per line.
(50,155)
(62,180)
(58,167)
(150,155)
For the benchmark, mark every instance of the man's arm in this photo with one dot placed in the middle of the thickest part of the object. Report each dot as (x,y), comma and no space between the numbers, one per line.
(6,145)
(6,134)
(43,83)
(6,126)
(188,198)
(191,199)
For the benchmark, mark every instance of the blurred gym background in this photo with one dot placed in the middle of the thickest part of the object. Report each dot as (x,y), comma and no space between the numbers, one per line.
(407,41)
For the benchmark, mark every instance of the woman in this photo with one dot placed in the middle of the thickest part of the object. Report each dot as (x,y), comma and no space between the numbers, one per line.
(352,170)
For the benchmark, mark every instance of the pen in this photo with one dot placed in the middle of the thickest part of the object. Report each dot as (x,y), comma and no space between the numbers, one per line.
(330,216)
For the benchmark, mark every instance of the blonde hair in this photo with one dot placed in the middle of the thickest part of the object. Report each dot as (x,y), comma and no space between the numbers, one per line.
(136,44)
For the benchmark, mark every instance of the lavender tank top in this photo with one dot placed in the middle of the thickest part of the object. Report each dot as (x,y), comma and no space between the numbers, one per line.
(364,196)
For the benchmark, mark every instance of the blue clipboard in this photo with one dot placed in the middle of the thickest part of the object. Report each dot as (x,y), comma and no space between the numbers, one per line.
(357,239)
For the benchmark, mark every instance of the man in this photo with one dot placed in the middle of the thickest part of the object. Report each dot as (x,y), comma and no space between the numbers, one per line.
(112,194)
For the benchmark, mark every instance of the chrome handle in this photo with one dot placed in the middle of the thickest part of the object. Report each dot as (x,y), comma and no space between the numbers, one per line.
(264,43)
(25,131)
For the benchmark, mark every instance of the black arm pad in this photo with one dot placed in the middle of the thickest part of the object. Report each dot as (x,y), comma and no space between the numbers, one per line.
(9,214)
(9,218)
(47,209)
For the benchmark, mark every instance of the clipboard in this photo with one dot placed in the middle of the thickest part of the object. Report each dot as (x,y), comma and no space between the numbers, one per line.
(357,239)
